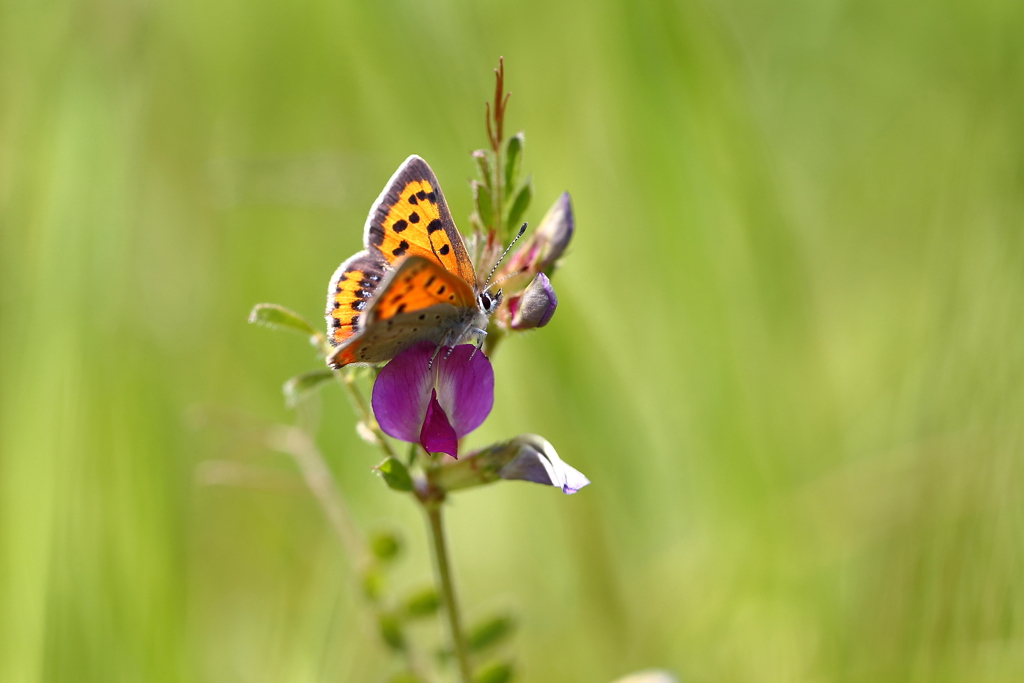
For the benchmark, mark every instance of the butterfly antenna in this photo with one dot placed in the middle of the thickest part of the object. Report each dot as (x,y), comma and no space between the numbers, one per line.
(515,239)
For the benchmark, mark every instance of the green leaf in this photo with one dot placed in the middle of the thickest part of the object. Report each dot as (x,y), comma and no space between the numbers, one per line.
(390,627)
(519,205)
(495,672)
(385,546)
(373,585)
(421,603)
(482,202)
(280,318)
(483,165)
(513,160)
(301,385)
(396,475)
(490,632)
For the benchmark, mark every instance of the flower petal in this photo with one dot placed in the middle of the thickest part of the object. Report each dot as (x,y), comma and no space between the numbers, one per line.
(465,387)
(402,393)
(437,435)
(538,462)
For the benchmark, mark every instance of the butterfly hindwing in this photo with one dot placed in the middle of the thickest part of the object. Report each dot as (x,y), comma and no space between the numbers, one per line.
(418,301)
(416,284)
(411,218)
(349,293)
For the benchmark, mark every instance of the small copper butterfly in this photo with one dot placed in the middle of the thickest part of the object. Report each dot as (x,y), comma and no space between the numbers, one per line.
(414,281)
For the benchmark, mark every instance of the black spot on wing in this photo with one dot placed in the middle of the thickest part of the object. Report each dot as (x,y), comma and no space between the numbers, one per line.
(414,217)
(412,199)
(443,251)
(433,226)
(399,226)
(400,249)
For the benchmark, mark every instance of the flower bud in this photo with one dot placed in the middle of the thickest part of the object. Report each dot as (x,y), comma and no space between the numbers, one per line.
(535,306)
(554,232)
(544,247)
(527,457)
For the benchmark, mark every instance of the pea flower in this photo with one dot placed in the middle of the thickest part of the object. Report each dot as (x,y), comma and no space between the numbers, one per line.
(434,404)
(527,457)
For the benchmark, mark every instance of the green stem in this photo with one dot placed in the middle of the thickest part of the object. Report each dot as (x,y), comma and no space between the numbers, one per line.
(444,579)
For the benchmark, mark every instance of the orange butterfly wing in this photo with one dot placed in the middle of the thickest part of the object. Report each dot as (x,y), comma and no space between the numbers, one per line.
(411,218)
(418,301)
(349,293)
(417,284)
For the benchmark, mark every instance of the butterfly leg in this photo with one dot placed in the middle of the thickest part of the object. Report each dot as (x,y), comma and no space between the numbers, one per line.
(480,336)
(437,350)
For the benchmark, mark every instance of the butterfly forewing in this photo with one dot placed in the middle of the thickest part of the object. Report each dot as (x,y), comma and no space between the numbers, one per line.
(416,284)
(349,293)
(411,218)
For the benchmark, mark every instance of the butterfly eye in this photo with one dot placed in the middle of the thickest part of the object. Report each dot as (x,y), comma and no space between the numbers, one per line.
(485,301)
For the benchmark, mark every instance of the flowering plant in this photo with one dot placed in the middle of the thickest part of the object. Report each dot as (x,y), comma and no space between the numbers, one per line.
(432,395)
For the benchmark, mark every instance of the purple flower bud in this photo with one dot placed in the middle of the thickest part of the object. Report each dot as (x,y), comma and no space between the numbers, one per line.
(543,248)
(527,457)
(535,306)
(554,232)
(537,461)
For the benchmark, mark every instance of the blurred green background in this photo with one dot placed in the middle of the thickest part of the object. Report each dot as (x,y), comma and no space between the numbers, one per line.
(788,351)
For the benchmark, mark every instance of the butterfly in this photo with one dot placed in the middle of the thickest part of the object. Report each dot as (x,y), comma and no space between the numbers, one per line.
(414,280)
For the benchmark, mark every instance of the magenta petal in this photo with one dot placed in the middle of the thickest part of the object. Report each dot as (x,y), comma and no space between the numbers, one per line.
(437,435)
(465,387)
(402,393)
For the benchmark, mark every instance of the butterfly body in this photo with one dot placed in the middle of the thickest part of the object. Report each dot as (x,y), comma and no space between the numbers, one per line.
(414,281)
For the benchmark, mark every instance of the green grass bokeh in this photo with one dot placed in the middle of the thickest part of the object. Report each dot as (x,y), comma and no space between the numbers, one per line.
(788,350)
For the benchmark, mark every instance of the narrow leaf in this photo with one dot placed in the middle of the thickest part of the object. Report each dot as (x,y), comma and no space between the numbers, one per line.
(422,603)
(385,546)
(373,585)
(519,205)
(482,202)
(301,385)
(513,161)
(483,165)
(495,672)
(489,632)
(391,630)
(280,318)
(395,474)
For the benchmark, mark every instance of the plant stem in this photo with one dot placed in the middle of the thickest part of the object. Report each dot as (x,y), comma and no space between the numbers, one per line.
(363,411)
(444,579)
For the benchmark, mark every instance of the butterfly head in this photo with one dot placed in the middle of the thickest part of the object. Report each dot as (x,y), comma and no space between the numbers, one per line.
(487,302)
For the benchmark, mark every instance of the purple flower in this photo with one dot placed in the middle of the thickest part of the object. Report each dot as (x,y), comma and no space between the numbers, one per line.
(526,457)
(434,406)
(535,306)
(536,460)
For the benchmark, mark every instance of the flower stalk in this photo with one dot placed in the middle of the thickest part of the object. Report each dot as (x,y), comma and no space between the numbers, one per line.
(432,397)
(444,580)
